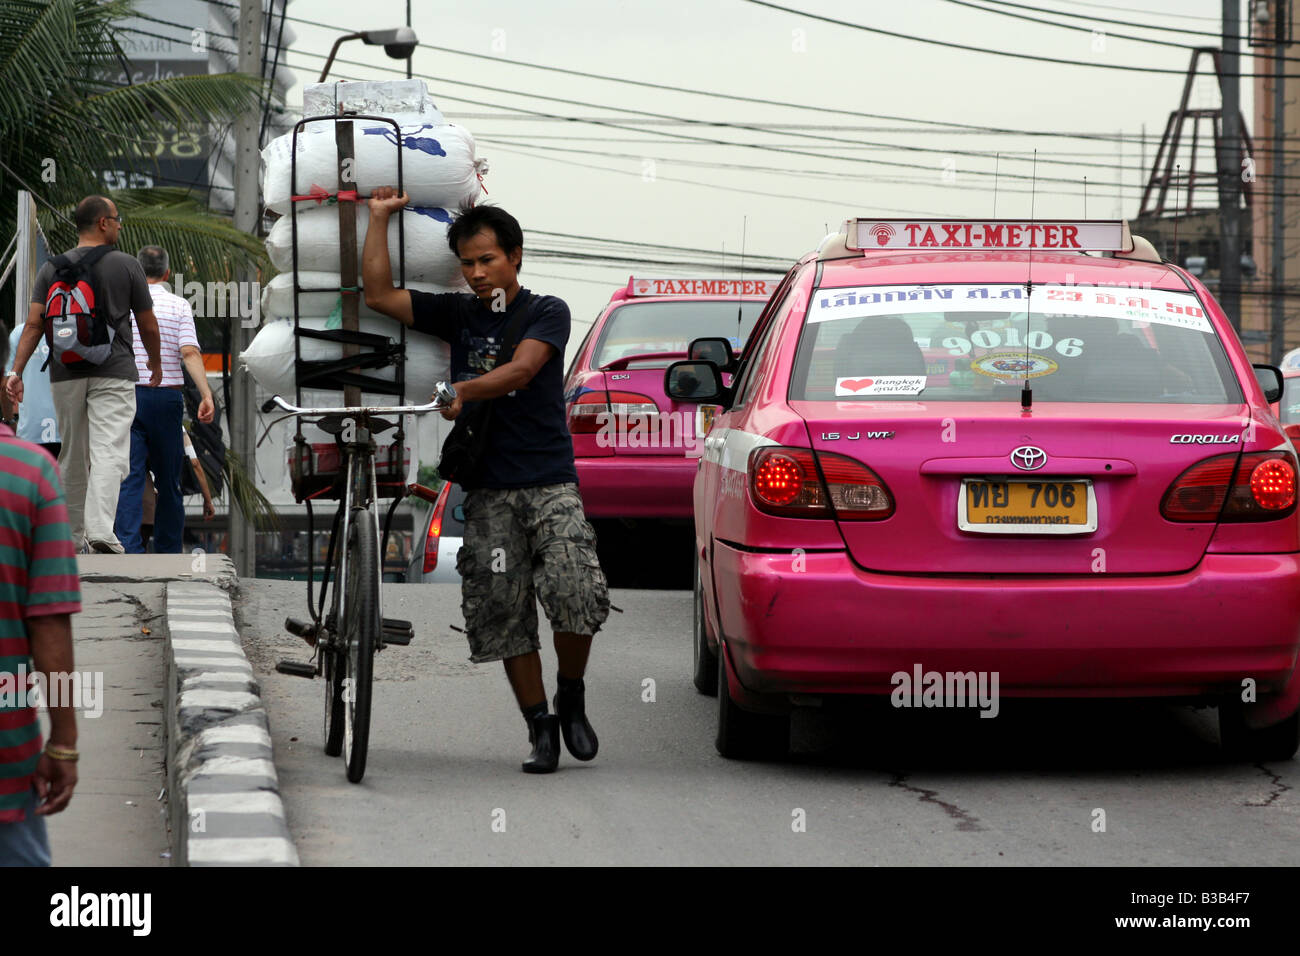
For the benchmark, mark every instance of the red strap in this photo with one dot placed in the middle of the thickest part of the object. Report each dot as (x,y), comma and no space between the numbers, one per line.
(318,193)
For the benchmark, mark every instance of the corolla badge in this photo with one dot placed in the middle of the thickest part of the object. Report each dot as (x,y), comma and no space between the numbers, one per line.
(1028,458)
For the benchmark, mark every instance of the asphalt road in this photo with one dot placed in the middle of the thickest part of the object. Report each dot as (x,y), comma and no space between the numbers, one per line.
(891,787)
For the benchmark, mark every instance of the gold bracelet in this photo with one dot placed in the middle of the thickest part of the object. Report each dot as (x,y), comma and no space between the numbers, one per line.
(61,753)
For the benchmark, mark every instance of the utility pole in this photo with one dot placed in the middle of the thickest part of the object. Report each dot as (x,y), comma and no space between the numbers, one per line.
(1277,321)
(243,417)
(1229,162)
(25,251)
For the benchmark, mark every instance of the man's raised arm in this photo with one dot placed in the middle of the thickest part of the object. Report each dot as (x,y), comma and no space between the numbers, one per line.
(376,270)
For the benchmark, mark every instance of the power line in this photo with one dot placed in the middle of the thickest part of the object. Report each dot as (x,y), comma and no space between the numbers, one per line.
(818,108)
(977,49)
(1106,6)
(1124,23)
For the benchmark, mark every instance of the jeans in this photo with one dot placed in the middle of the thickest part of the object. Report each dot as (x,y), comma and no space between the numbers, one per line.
(25,843)
(95,422)
(156,444)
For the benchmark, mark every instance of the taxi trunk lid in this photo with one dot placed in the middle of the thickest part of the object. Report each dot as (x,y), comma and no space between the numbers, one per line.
(1128,454)
(645,421)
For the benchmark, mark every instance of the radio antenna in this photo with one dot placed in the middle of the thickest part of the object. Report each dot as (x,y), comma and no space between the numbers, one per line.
(744,227)
(1085,197)
(1178,184)
(997,164)
(1027,393)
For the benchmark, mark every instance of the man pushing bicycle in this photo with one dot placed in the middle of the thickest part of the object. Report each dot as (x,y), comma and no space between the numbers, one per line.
(525,533)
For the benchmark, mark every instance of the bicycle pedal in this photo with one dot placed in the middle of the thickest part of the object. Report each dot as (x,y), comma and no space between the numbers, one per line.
(304,629)
(296,669)
(397,631)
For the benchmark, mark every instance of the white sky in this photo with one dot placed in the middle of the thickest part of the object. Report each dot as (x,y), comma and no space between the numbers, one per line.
(736,47)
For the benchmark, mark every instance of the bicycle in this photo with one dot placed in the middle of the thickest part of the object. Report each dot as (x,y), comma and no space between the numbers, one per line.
(347,638)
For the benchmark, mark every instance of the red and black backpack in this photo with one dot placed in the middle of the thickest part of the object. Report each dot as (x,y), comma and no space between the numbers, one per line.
(76,329)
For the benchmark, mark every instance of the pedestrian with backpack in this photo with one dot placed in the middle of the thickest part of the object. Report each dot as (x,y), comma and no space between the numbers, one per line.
(159,413)
(82,303)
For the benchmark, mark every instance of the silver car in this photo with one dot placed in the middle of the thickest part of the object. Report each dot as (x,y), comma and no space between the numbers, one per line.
(433,553)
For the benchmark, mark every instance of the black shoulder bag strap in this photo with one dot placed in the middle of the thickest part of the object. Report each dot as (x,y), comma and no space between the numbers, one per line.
(463,448)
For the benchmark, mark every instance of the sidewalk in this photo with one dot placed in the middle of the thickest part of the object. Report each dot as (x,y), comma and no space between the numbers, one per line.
(115,817)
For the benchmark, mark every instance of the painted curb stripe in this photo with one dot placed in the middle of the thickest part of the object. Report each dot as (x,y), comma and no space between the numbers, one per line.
(242,850)
(215,675)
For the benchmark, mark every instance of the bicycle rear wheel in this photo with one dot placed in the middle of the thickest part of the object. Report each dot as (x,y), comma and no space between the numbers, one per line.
(360,637)
(333,672)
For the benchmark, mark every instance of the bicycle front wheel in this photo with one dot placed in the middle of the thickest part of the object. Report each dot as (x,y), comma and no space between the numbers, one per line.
(360,637)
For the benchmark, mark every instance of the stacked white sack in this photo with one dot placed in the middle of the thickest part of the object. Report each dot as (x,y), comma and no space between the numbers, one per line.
(270,357)
(428,257)
(376,97)
(277,295)
(439,167)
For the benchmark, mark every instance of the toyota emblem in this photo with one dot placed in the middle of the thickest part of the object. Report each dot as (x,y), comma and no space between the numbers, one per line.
(1028,458)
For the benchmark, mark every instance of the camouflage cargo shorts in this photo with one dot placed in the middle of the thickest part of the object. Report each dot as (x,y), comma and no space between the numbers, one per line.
(522,544)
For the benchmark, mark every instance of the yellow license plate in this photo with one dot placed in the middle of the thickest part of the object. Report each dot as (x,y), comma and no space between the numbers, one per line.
(1027,507)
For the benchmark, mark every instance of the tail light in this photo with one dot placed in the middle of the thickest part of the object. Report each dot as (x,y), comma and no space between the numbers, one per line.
(787,482)
(435,529)
(595,411)
(1260,486)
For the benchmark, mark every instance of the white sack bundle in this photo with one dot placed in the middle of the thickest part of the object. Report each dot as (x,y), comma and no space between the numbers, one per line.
(277,295)
(377,97)
(438,163)
(428,257)
(270,357)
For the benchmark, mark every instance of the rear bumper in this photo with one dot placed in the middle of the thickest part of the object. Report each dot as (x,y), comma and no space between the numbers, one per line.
(834,628)
(637,486)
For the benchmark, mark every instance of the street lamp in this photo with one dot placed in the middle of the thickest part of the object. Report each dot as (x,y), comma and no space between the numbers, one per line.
(399,43)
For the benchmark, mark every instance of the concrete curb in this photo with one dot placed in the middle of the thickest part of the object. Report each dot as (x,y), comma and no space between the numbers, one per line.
(215,569)
(223,794)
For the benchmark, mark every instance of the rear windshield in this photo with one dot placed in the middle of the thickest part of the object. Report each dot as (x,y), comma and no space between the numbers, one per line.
(453,527)
(980,342)
(641,327)
(1289,405)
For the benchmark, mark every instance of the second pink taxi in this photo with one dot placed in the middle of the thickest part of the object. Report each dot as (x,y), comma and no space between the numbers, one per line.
(635,448)
(1092,498)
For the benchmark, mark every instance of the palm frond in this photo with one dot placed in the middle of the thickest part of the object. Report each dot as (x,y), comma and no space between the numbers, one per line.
(244,494)
(37,41)
(175,101)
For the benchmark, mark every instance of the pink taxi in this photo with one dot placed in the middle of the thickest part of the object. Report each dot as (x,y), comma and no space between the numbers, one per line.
(1092,498)
(636,449)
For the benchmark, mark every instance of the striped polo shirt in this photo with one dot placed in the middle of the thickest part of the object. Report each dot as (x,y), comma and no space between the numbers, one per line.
(175,329)
(38,575)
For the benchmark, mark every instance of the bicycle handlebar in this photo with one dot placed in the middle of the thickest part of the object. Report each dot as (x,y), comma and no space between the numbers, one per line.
(276,401)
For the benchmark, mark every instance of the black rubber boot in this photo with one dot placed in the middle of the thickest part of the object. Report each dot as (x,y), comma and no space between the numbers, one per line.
(571,710)
(544,735)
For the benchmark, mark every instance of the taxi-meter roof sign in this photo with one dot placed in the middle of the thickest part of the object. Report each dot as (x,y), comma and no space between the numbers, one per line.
(989,235)
(739,287)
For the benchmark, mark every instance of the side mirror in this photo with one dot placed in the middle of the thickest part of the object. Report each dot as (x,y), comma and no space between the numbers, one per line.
(1270,380)
(694,382)
(715,350)
(458,513)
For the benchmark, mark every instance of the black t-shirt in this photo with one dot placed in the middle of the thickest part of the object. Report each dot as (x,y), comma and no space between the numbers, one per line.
(528,442)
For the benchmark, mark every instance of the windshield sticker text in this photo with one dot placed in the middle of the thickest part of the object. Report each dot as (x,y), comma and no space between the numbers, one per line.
(880,385)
